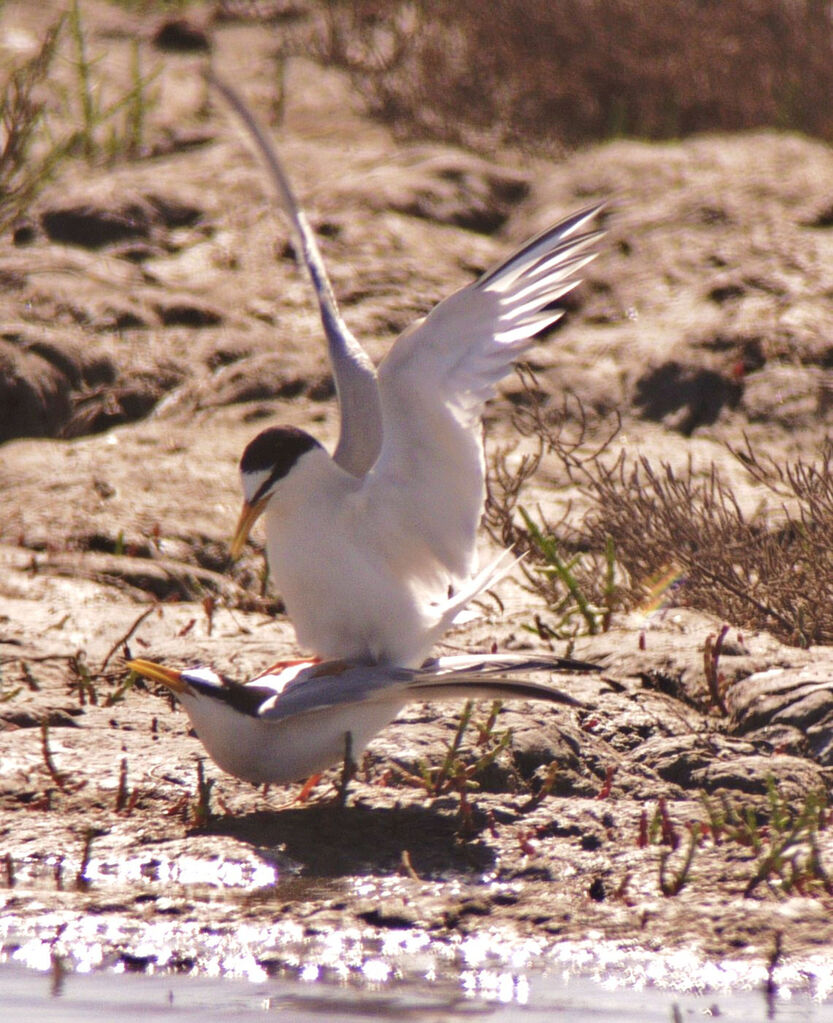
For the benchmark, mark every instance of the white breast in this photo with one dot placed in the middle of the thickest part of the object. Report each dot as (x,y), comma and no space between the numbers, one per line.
(354,584)
(262,751)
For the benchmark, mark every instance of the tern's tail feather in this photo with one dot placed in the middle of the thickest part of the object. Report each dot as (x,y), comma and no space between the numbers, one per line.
(463,677)
(478,687)
(494,676)
(484,580)
(501,664)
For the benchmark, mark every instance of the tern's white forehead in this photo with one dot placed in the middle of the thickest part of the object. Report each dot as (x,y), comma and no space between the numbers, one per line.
(254,483)
(204,675)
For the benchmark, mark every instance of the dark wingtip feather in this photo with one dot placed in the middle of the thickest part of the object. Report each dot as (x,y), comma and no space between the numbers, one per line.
(565,229)
(495,689)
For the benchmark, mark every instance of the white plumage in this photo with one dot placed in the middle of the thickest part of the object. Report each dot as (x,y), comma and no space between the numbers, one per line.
(374,549)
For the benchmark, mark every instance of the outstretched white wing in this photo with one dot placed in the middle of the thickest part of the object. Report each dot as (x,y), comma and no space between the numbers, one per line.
(430,475)
(360,436)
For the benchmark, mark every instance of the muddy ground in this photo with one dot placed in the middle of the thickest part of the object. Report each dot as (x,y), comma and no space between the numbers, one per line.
(153,320)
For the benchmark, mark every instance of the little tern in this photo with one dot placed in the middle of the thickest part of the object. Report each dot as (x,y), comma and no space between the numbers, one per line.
(297,720)
(373,549)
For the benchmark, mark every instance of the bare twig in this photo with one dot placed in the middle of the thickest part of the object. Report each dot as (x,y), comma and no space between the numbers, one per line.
(123,639)
(711,659)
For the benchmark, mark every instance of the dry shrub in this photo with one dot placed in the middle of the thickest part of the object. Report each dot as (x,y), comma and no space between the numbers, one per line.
(691,533)
(578,584)
(548,75)
(683,539)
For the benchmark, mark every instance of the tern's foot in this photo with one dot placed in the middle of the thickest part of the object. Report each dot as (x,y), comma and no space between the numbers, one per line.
(303,795)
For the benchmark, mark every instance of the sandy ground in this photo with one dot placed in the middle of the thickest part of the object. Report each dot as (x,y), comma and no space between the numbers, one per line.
(154,320)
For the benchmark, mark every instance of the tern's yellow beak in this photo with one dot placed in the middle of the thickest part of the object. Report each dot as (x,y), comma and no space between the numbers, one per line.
(249,515)
(169,677)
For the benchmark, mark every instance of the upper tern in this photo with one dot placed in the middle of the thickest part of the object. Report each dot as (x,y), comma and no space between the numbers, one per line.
(297,720)
(373,548)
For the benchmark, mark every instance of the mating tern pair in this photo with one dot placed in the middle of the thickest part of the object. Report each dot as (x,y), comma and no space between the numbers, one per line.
(373,549)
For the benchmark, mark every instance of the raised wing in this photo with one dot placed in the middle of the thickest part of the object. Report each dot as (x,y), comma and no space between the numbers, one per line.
(360,436)
(436,378)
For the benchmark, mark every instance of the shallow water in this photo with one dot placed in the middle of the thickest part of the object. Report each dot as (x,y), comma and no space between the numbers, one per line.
(29,995)
(62,964)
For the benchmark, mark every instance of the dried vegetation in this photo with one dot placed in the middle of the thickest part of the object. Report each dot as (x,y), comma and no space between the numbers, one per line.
(545,76)
(654,534)
(24,163)
(43,122)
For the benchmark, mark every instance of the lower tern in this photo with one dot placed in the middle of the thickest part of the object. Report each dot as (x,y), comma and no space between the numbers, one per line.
(373,549)
(297,720)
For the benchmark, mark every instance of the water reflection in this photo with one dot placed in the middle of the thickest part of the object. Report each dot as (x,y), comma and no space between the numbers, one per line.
(63,997)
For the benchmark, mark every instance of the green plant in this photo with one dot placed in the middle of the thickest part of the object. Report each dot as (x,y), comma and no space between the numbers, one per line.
(574,601)
(578,582)
(119,691)
(711,659)
(28,155)
(784,842)
(454,773)
(85,85)
(660,830)
(458,772)
(673,885)
(195,809)
(29,677)
(545,788)
(61,779)
(7,694)
(202,809)
(153,7)
(125,799)
(349,768)
(82,882)
(125,138)
(136,105)
(82,681)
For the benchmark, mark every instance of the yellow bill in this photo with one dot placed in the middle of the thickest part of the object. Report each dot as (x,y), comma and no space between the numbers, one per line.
(169,677)
(249,515)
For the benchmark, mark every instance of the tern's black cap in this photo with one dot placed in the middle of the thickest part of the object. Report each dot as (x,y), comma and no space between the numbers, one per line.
(275,451)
